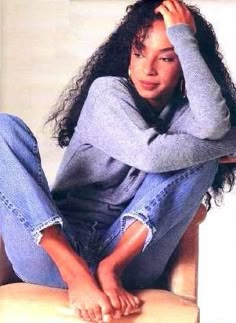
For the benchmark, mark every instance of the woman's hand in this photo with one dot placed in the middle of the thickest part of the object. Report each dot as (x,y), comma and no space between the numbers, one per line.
(175,12)
(227,160)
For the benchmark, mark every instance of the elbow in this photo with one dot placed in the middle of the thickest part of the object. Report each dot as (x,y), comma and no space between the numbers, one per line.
(159,165)
(151,165)
(215,132)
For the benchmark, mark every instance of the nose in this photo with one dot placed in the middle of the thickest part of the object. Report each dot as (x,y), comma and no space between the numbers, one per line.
(149,67)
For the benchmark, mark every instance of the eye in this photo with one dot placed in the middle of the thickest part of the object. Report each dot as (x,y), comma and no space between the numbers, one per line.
(167,59)
(138,54)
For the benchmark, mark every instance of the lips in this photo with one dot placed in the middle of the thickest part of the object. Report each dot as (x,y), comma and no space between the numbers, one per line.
(148,85)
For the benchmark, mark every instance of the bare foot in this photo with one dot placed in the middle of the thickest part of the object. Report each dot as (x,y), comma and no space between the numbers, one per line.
(123,302)
(88,300)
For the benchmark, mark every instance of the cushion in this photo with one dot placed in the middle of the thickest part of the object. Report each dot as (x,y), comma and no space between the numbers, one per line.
(27,303)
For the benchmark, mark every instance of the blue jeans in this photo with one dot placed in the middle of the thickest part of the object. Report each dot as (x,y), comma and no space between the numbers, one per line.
(165,203)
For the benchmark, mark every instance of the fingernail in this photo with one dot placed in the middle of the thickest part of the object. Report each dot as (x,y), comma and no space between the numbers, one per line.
(106,318)
(117,315)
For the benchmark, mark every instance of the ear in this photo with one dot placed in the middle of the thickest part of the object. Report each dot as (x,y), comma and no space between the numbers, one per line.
(129,72)
(182,87)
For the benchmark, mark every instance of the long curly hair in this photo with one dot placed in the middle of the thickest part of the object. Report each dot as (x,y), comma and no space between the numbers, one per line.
(112,59)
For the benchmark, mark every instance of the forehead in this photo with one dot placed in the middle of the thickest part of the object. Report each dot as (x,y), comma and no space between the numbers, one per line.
(156,37)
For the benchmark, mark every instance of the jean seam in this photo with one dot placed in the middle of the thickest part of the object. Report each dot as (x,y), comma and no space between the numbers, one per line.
(38,161)
(35,232)
(93,234)
(153,203)
(107,241)
(35,151)
(11,208)
(165,190)
(162,194)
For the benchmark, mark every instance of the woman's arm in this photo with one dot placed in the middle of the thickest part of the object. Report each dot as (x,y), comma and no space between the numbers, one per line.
(110,122)
(209,116)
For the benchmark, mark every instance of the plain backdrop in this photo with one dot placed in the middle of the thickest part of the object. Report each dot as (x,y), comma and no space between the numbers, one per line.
(44,43)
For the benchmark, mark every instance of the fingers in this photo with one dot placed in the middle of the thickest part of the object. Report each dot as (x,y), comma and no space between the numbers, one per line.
(175,12)
(163,10)
(171,6)
(227,160)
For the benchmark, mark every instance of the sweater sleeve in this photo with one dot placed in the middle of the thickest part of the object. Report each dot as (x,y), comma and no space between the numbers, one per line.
(210,116)
(110,122)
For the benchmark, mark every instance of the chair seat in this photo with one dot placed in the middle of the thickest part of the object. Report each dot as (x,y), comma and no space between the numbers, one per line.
(50,305)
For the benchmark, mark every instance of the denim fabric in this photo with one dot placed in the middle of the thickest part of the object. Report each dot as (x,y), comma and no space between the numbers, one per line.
(24,190)
(164,202)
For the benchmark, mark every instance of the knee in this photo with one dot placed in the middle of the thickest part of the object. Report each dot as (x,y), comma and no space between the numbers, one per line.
(209,170)
(11,128)
(201,178)
(40,271)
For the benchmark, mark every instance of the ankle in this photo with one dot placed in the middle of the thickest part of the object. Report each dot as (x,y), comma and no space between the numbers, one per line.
(107,265)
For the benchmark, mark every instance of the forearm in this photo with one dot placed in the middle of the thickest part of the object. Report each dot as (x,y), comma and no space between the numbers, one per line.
(69,264)
(209,110)
(166,152)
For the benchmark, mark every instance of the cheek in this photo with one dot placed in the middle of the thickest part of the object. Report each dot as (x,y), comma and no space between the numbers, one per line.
(172,75)
(134,67)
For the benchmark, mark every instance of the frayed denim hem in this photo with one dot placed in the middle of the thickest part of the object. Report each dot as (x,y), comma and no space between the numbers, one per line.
(37,235)
(129,218)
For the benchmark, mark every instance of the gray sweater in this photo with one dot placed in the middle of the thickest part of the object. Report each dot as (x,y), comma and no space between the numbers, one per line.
(113,147)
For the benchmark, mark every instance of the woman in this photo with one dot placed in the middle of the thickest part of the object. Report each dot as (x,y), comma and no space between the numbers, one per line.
(145,125)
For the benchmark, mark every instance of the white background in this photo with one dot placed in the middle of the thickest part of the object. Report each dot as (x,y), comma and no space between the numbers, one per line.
(44,43)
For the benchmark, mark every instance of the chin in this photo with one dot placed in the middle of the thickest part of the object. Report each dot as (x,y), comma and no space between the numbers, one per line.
(150,96)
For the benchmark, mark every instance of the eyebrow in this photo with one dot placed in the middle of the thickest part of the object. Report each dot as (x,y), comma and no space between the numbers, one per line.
(163,50)
(167,49)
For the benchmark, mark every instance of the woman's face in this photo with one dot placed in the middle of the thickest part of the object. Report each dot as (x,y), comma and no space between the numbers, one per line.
(155,70)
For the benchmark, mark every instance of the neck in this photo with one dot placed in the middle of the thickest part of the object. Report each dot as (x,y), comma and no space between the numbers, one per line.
(161,102)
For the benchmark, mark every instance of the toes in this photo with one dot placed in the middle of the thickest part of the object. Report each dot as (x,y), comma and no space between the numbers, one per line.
(129,308)
(132,304)
(134,301)
(114,299)
(123,304)
(85,315)
(98,314)
(117,314)
(107,310)
(137,301)
(115,302)
(92,315)
(107,318)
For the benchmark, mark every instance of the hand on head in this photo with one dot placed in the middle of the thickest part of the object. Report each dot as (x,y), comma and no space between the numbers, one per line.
(175,12)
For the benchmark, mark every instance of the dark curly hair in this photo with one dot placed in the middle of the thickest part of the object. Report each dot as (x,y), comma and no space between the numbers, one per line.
(112,59)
